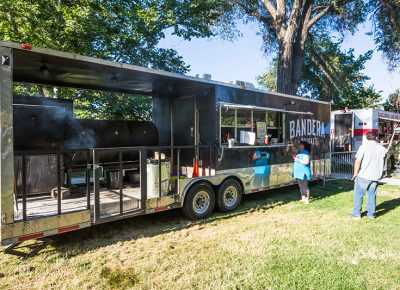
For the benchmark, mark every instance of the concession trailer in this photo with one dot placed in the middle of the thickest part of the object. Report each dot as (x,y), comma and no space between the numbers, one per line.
(349,129)
(59,173)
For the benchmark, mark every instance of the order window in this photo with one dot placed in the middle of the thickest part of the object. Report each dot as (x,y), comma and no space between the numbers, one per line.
(235,121)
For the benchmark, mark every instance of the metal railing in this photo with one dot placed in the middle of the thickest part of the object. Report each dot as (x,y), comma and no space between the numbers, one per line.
(64,163)
(63,160)
(176,156)
(339,165)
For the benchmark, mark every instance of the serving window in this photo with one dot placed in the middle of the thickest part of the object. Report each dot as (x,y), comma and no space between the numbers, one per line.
(386,128)
(248,125)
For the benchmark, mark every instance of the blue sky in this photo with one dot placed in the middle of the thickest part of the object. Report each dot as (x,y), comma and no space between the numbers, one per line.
(243,59)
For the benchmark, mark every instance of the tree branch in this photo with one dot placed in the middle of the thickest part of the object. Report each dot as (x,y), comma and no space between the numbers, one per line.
(278,15)
(317,17)
(393,13)
(321,65)
(325,11)
(299,44)
(281,18)
(270,7)
(318,8)
(324,66)
(305,17)
(253,12)
(294,20)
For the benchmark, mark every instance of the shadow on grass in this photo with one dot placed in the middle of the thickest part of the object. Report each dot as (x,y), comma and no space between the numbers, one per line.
(386,206)
(332,187)
(75,243)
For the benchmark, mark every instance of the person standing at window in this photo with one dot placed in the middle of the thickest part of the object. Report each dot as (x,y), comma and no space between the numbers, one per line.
(302,171)
(368,169)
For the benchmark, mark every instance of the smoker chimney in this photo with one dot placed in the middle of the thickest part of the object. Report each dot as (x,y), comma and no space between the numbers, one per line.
(204,76)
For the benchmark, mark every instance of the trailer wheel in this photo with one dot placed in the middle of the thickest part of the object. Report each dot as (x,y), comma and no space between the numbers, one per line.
(199,201)
(229,195)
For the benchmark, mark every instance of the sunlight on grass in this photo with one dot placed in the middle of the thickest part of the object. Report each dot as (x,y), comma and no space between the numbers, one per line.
(119,279)
(271,241)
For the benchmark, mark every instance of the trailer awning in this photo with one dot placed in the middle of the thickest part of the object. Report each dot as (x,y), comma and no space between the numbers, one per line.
(238,106)
(390,119)
(389,116)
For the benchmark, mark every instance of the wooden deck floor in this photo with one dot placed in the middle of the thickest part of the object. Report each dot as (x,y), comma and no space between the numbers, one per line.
(45,205)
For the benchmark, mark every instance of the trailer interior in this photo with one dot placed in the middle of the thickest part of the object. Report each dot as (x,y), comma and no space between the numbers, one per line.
(59,171)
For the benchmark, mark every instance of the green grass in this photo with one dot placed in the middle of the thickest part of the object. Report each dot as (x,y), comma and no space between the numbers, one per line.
(272,241)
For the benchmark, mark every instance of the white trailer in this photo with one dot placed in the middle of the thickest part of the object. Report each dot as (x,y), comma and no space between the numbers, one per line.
(349,129)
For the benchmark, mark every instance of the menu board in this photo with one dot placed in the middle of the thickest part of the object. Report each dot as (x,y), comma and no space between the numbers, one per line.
(261,129)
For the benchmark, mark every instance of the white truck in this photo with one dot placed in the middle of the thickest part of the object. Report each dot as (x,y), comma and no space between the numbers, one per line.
(349,129)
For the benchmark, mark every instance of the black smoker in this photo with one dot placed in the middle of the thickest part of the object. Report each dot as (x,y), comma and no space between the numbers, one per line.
(42,124)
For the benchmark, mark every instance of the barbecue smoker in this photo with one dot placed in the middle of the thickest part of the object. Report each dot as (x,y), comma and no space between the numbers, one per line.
(42,124)
(60,174)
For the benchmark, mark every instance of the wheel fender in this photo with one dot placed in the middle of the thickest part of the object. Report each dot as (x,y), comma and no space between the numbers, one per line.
(190,184)
(237,179)
(213,181)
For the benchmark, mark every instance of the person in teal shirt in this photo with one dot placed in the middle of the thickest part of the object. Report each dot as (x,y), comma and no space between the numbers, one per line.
(302,170)
(262,167)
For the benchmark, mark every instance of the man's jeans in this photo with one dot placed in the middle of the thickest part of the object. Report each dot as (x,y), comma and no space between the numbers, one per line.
(361,186)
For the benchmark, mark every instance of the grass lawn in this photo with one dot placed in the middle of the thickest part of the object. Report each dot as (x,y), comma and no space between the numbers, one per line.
(272,241)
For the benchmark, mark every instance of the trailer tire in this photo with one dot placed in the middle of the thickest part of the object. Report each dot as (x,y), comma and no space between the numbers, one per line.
(229,195)
(199,201)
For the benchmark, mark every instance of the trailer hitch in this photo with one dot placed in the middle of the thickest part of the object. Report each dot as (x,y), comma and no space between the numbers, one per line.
(18,249)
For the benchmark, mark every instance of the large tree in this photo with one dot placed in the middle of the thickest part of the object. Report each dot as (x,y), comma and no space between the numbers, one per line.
(120,30)
(286,27)
(331,74)
(392,103)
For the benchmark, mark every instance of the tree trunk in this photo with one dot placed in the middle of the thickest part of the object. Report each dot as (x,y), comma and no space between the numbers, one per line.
(285,82)
(299,51)
(298,61)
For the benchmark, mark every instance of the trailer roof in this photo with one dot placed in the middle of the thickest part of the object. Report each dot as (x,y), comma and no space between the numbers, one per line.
(382,114)
(51,67)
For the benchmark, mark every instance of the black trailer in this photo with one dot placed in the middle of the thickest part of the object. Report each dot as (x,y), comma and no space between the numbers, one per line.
(196,154)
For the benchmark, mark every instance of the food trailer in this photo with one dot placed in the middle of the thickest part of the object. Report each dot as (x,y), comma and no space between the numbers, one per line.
(349,129)
(59,173)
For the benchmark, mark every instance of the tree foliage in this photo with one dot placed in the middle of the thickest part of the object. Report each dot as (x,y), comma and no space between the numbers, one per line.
(385,14)
(90,104)
(130,30)
(268,80)
(331,75)
(392,103)
(286,27)
(120,30)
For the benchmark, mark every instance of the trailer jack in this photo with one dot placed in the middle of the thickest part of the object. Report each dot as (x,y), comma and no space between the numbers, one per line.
(26,251)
